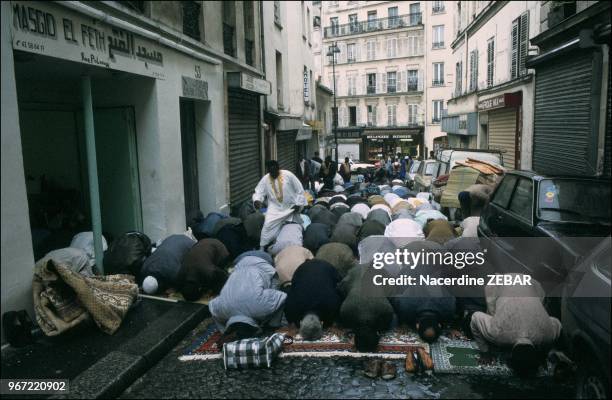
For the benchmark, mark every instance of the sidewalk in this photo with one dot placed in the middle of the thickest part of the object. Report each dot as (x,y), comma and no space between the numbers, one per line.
(99,365)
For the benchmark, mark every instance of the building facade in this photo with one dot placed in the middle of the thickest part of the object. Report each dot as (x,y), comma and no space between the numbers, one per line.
(290,111)
(492,102)
(572,89)
(123,116)
(390,74)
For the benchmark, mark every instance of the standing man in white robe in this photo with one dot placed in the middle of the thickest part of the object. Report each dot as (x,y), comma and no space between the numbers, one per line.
(285,196)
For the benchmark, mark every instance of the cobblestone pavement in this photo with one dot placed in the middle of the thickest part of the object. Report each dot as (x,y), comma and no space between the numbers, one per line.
(340,377)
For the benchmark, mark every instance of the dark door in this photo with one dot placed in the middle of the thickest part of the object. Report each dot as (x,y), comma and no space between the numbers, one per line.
(118,178)
(244,144)
(190,160)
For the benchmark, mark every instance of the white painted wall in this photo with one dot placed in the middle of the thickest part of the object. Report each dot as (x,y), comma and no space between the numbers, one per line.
(156,104)
(17,257)
(499,26)
(299,55)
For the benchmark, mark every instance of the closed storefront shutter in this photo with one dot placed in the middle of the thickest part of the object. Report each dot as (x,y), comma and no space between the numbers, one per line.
(285,149)
(502,134)
(608,145)
(244,144)
(562,121)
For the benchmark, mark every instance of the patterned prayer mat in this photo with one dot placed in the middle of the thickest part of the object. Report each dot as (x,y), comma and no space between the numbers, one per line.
(336,342)
(458,356)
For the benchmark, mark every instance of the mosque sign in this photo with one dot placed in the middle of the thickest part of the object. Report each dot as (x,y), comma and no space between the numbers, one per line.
(49,29)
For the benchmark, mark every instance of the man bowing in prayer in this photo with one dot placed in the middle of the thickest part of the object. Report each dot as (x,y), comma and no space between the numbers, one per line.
(285,196)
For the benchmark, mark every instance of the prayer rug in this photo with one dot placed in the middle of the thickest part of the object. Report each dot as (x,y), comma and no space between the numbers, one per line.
(336,342)
(458,356)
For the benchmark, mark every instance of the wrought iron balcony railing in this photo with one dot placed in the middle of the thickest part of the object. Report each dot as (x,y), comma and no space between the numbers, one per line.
(378,24)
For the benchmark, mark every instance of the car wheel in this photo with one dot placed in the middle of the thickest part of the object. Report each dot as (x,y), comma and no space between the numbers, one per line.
(591,382)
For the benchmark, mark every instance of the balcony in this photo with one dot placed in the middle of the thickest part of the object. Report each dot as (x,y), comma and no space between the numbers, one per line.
(436,9)
(378,24)
(437,45)
(410,87)
(437,82)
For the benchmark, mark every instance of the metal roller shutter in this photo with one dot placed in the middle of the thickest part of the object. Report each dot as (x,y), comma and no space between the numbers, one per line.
(244,144)
(502,134)
(562,120)
(608,145)
(285,149)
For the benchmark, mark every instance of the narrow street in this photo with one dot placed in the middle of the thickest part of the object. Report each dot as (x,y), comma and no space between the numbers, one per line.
(339,377)
(306,199)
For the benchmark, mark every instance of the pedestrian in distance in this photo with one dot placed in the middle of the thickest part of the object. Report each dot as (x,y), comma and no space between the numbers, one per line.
(345,170)
(303,172)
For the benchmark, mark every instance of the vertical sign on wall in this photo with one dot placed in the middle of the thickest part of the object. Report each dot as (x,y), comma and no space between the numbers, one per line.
(306,87)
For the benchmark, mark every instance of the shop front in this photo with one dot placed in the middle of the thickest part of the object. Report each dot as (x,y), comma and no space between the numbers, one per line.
(572,95)
(350,143)
(461,130)
(500,116)
(109,131)
(382,143)
(244,132)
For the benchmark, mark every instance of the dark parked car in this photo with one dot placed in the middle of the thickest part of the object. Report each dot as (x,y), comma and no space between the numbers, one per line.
(568,210)
(585,316)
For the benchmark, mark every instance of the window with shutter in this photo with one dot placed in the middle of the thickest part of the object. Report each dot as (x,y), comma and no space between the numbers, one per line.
(458,78)
(514,51)
(420,81)
(490,61)
(473,70)
(413,80)
(391,82)
(523,42)
(412,114)
(350,52)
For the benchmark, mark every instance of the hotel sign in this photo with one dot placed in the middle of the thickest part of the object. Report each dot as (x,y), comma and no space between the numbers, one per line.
(48,29)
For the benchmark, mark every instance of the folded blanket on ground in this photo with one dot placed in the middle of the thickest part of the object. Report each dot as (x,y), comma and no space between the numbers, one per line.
(63,299)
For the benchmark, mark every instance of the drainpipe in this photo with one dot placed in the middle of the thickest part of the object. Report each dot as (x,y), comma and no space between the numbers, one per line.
(92,171)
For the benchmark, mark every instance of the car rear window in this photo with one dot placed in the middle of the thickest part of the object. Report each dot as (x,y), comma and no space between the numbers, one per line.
(573,200)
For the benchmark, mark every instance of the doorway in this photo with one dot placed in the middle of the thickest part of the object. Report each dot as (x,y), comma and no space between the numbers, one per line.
(55,163)
(190,158)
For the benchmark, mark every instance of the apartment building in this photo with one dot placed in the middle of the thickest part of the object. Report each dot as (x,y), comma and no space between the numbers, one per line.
(290,111)
(391,78)
(492,101)
(126,116)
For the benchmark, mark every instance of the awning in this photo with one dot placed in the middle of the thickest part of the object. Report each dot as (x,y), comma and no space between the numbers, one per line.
(304,133)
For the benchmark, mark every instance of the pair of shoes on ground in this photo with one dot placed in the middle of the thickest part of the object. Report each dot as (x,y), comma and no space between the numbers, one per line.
(385,369)
(418,361)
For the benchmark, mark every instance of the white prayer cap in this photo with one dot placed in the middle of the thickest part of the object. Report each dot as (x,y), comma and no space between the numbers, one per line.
(149,285)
